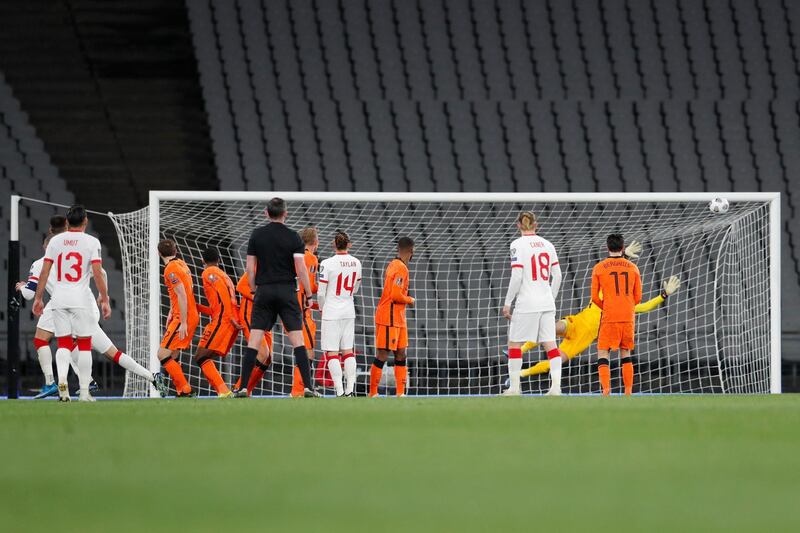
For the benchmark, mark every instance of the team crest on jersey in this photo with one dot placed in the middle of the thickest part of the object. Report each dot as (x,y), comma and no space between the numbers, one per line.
(399,281)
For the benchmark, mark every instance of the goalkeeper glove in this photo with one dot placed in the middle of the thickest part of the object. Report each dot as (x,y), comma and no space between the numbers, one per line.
(670,286)
(633,250)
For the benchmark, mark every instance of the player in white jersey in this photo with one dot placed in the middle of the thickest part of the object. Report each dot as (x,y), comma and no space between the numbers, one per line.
(74,256)
(339,280)
(100,341)
(535,279)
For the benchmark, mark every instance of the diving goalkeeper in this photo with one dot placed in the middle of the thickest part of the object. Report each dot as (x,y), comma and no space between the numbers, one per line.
(579,331)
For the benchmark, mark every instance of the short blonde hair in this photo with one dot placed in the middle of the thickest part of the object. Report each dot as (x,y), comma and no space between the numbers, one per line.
(309,234)
(526,221)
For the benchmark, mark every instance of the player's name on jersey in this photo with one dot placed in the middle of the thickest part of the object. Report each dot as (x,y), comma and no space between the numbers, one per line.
(347,264)
(618,263)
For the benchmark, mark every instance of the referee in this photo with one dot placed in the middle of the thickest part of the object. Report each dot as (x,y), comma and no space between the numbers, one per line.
(274,263)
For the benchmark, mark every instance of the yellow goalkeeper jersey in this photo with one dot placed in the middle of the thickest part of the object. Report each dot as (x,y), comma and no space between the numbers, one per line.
(583,326)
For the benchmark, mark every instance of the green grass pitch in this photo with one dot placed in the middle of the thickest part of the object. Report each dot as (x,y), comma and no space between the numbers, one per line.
(688,463)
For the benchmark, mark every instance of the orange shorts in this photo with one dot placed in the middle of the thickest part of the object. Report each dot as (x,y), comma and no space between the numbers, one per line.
(390,338)
(170,341)
(615,336)
(219,336)
(309,332)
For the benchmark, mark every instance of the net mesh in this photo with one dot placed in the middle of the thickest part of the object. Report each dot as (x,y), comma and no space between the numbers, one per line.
(710,336)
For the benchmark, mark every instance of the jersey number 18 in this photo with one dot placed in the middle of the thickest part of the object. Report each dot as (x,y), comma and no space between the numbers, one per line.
(542,265)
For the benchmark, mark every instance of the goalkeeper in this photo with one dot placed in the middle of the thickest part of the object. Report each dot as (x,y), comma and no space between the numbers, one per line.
(579,331)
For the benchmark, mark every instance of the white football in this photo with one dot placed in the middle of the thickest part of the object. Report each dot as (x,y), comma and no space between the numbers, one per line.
(719,205)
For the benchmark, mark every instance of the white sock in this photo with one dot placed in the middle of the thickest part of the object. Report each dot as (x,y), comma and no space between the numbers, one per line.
(127,362)
(335,368)
(84,369)
(45,356)
(350,374)
(514,368)
(63,361)
(555,373)
(73,361)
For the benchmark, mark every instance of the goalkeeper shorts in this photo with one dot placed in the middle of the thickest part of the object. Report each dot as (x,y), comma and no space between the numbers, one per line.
(615,336)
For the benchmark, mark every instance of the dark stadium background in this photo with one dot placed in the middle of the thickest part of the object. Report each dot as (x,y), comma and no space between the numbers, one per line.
(101,101)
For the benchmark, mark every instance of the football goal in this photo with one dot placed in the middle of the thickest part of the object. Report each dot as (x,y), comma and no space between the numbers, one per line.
(719,333)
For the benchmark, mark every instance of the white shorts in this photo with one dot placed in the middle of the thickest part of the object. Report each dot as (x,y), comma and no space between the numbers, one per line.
(74,322)
(337,335)
(46,321)
(535,327)
(100,341)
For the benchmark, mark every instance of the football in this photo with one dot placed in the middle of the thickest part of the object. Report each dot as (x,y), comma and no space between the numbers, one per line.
(719,205)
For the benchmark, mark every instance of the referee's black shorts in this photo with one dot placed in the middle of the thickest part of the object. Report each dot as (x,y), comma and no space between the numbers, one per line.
(276,300)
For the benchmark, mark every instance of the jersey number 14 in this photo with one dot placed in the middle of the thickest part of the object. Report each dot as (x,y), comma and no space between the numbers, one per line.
(346,282)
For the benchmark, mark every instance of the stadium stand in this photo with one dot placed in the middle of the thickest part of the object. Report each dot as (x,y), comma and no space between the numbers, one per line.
(26,169)
(111,89)
(532,95)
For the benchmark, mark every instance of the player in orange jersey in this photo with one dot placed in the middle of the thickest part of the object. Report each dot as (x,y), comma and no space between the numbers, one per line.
(310,238)
(264,357)
(183,318)
(391,331)
(223,330)
(620,284)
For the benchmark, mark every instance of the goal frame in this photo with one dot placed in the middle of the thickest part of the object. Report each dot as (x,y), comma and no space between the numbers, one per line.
(773,198)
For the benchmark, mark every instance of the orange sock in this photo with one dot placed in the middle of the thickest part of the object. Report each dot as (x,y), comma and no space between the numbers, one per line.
(175,372)
(605,376)
(400,377)
(627,375)
(212,375)
(255,377)
(297,383)
(375,377)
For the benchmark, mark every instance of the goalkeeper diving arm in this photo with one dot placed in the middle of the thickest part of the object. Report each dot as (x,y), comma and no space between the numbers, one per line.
(669,287)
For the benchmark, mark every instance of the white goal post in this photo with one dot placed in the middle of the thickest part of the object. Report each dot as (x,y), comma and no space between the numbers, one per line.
(720,333)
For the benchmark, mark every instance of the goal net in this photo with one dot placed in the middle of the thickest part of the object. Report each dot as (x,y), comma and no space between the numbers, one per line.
(715,334)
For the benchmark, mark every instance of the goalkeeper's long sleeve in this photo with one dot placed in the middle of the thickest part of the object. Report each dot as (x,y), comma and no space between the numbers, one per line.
(650,305)
(555,279)
(514,285)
